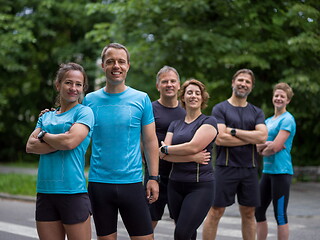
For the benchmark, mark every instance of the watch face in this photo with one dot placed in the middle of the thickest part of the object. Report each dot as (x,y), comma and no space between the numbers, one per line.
(162,150)
(41,134)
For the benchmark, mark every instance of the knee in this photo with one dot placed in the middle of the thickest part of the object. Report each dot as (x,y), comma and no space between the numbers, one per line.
(215,214)
(247,212)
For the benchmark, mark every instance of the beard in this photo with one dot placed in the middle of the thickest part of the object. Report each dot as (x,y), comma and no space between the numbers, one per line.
(240,94)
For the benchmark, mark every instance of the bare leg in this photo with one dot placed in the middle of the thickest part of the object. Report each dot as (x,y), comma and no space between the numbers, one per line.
(211,222)
(248,222)
(112,236)
(50,230)
(146,237)
(79,231)
(283,232)
(262,230)
(154,224)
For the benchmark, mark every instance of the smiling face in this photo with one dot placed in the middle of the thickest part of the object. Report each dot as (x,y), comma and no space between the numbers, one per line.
(280,99)
(115,65)
(168,84)
(71,87)
(242,85)
(192,97)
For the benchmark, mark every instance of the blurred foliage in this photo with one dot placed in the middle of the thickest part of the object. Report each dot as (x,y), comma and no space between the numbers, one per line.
(204,39)
(18,184)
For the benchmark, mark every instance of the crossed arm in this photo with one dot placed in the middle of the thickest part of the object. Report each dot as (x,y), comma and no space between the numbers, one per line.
(271,147)
(243,137)
(192,151)
(53,142)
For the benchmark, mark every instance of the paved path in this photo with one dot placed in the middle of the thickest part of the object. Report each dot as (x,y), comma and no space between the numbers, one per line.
(303,211)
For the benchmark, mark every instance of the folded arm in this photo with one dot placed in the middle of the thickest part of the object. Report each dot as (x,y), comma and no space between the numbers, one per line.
(35,146)
(202,157)
(201,139)
(243,137)
(276,145)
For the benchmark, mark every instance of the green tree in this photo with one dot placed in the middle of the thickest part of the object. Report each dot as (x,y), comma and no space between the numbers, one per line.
(35,37)
(210,40)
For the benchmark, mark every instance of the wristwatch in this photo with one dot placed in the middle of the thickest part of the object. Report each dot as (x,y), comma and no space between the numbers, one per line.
(156,178)
(233,132)
(41,135)
(164,149)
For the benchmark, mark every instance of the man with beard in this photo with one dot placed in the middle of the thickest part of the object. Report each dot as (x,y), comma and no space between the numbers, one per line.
(241,126)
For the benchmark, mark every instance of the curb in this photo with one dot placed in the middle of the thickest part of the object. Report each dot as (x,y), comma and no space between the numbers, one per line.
(17,197)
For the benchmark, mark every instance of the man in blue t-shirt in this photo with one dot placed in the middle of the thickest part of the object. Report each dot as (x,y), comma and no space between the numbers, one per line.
(123,117)
(241,126)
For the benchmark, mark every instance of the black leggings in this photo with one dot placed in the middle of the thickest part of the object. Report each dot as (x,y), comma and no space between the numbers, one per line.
(275,187)
(189,204)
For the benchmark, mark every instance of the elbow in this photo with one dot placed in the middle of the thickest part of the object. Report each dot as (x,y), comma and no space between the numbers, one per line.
(263,138)
(28,150)
(69,146)
(218,141)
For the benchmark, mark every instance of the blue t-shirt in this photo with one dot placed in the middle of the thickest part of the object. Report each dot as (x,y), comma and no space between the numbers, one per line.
(163,116)
(62,172)
(116,155)
(280,163)
(245,118)
(184,132)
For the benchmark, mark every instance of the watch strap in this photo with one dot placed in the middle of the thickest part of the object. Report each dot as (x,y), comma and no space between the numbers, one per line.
(156,178)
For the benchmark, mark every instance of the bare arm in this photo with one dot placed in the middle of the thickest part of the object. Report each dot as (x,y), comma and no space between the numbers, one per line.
(150,146)
(68,140)
(35,146)
(277,144)
(202,157)
(202,138)
(259,135)
(226,139)
(243,137)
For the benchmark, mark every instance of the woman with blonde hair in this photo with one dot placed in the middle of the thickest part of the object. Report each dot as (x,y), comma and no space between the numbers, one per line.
(277,165)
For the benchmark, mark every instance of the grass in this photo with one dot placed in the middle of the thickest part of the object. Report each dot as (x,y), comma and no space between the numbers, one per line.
(18,184)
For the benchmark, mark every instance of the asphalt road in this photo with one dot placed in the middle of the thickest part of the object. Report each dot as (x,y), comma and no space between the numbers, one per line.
(17,218)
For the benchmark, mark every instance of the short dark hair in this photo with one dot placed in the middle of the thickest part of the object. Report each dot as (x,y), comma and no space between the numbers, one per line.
(247,71)
(117,46)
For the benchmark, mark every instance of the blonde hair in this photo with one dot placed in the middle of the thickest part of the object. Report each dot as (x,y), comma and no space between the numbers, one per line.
(285,87)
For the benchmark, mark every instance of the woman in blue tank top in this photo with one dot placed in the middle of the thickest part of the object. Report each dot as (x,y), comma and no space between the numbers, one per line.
(190,187)
(61,138)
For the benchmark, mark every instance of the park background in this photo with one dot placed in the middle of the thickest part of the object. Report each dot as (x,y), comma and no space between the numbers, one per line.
(205,39)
